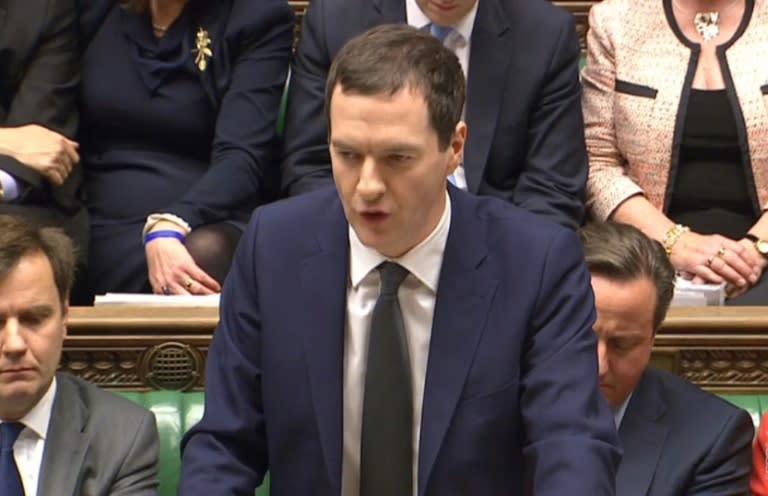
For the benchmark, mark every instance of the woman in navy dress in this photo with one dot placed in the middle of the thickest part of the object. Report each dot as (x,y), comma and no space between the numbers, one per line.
(180,100)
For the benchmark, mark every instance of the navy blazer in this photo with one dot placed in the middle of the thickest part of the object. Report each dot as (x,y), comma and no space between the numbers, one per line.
(511,399)
(526,131)
(680,440)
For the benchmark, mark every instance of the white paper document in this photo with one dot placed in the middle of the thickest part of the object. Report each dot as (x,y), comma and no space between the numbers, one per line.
(688,294)
(159,300)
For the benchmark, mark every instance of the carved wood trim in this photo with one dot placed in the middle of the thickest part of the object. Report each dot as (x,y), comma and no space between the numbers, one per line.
(719,348)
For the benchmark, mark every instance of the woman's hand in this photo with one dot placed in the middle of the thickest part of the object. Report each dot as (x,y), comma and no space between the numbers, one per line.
(173,271)
(47,152)
(715,259)
(758,260)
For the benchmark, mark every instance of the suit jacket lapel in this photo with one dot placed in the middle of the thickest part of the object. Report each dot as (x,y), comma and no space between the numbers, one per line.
(464,295)
(643,432)
(66,442)
(488,60)
(384,12)
(324,278)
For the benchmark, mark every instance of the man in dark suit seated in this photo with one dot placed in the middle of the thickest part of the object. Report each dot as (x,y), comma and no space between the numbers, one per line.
(677,439)
(389,337)
(520,59)
(39,72)
(59,435)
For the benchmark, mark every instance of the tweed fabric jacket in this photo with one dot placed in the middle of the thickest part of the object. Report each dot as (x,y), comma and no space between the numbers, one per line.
(637,81)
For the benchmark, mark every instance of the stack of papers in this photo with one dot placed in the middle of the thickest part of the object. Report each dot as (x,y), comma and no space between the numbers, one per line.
(688,294)
(158,300)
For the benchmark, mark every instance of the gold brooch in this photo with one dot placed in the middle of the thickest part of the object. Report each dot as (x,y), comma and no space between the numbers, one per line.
(707,24)
(202,49)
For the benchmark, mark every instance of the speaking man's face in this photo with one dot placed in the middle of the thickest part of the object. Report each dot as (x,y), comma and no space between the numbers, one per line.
(625,333)
(32,330)
(388,168)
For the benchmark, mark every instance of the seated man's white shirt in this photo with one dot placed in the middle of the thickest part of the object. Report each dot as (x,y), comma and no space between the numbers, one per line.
(618,413)
(28,448)
(417,301)
(458,42)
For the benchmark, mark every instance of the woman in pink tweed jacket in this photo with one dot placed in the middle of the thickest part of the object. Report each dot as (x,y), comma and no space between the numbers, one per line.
(676,112)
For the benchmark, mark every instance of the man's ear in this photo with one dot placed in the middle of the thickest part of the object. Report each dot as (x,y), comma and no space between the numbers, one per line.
(65,315)
(458,140)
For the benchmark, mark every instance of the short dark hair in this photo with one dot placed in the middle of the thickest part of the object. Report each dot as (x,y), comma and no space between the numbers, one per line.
(621,252)
(20,237)
(391,57)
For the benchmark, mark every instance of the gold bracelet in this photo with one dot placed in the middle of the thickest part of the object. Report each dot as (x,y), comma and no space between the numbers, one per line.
(672,236)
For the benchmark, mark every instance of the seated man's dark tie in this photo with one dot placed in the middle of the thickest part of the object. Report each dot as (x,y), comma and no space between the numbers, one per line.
(10,481)
(386,448)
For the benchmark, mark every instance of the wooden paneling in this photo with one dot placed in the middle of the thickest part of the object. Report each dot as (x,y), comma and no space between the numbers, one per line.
(139,348)
(719,348)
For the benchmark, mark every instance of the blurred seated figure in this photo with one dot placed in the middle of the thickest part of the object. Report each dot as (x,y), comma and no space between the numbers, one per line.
(180,100)
(40,176)
(759,483)
(526,144)
(677,133)
(677,439)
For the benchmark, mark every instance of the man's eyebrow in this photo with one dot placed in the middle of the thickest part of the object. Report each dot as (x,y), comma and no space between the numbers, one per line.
(401,148)
(341,144)
(42,310)
(622,333)
(396,147)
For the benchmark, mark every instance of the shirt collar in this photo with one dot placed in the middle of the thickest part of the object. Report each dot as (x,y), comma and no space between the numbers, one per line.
(423,260)
(39,417)
(618,413)
(418,19)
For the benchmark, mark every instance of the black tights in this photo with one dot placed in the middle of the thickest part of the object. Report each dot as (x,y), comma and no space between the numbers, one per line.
(212,247)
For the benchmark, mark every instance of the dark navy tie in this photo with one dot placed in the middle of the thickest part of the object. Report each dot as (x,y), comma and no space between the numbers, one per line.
(386,441)
(10,481)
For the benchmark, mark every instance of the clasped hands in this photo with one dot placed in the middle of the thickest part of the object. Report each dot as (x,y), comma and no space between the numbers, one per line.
(49,153)
(172,270)
(713,258)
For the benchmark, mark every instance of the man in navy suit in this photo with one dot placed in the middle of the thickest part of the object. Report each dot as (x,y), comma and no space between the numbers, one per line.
(520,59)
(677,439)
(392,336)
(40,174)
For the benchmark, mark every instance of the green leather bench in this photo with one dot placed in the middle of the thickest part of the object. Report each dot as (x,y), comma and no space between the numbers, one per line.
(176,412)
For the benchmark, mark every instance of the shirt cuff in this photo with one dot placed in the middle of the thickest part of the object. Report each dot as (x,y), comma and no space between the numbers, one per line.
(10,187)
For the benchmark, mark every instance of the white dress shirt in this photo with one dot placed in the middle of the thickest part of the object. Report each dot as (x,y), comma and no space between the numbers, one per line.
(417,296)
(10,187)
(459,42)
(28,448)
(618,413)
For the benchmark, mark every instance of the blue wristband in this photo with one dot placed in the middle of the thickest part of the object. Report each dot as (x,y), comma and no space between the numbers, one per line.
(164,233)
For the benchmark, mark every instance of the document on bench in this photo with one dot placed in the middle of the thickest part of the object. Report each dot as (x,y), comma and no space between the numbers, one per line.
(688,294)
(158,300)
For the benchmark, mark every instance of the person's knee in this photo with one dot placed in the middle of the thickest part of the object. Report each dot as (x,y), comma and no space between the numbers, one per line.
(213,247)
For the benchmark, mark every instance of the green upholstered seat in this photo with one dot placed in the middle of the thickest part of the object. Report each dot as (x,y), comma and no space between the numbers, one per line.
(175,412)
(754,404)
